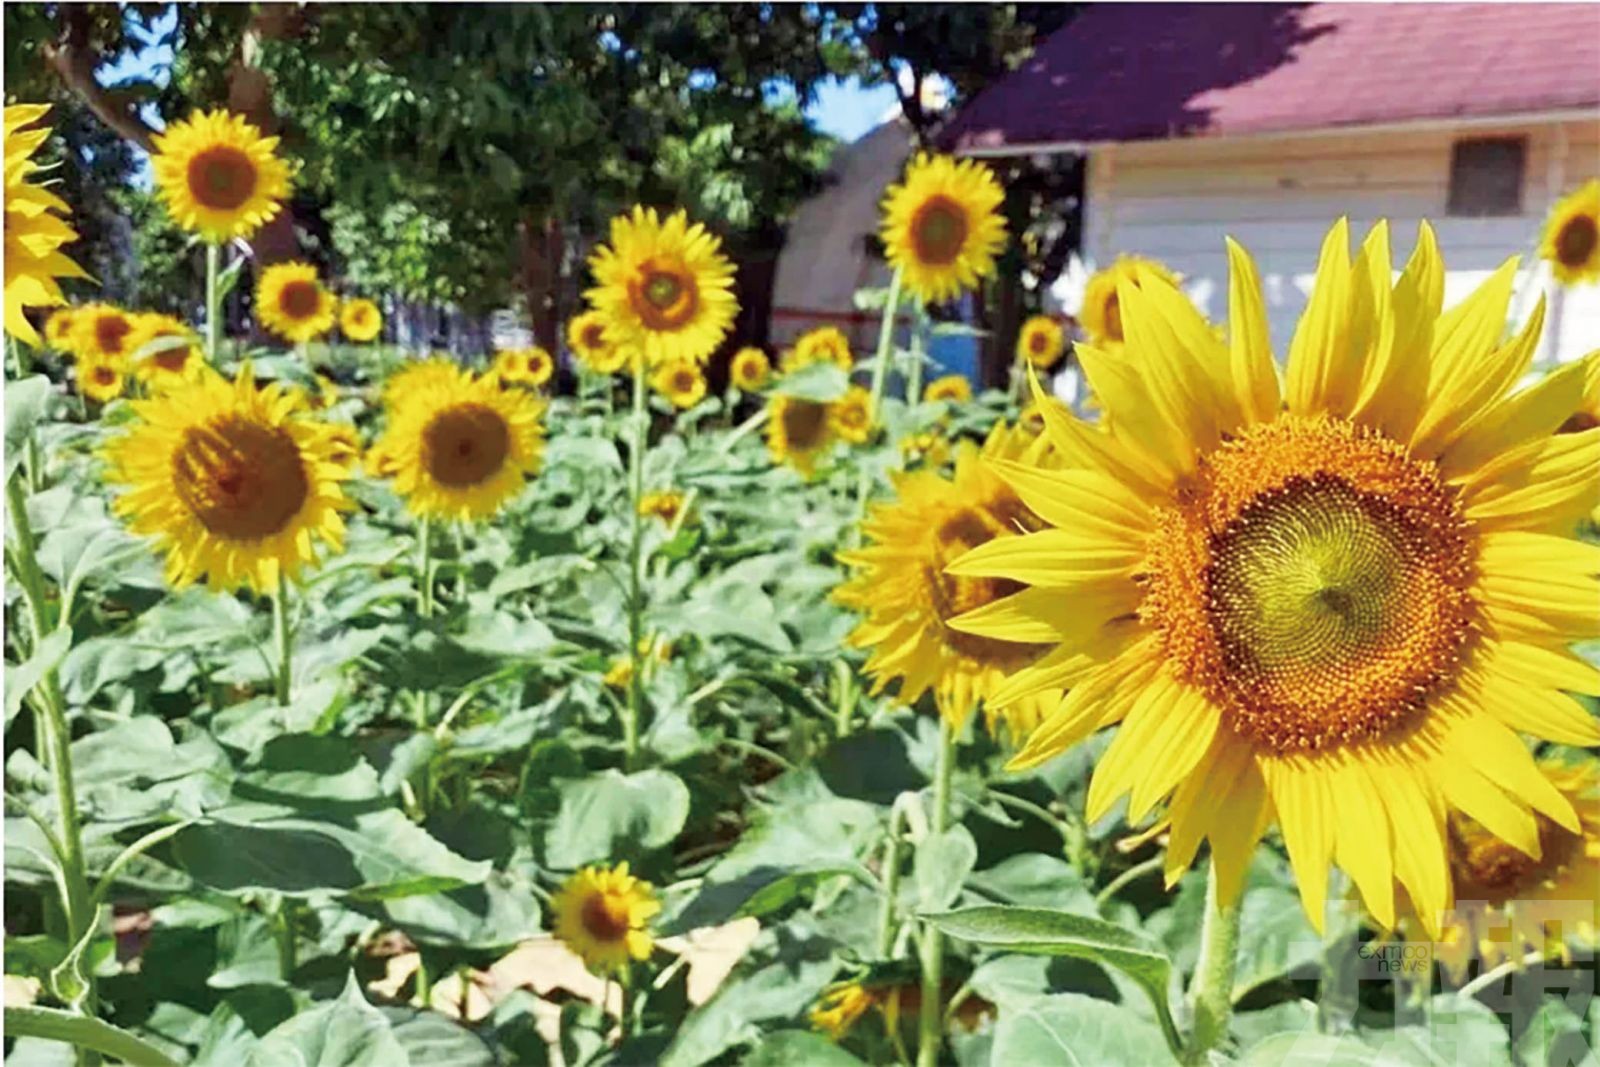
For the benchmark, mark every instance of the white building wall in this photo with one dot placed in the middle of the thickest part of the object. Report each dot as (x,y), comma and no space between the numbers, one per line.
(1176,200)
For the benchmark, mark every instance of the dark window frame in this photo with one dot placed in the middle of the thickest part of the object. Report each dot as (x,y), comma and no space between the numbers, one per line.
(1488,177)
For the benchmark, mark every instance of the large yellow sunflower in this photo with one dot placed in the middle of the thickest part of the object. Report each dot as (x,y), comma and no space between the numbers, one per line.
(414,379)
(233,482)
(1571,239)
(603,914)
(178,357)
(528,366)
(750,369)
(851,415)
(900,584)
(664,287)
(1101,314)
(104,332)
(1332,604)
(680,381)
(218,176)
(1041,341)
(293,304)
(590,342)
(35,227)
(459,446)
(825,344)
(942,227)
(360,320)
(798,431)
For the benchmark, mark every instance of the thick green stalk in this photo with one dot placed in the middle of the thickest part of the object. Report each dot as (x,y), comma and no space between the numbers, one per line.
(213,310)
(880,368)
(1211,990)
(931,1030)
(281,683)
(641,431)
(890,876)
(424,567)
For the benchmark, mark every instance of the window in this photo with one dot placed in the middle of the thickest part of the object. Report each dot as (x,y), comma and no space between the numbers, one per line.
(1486,176)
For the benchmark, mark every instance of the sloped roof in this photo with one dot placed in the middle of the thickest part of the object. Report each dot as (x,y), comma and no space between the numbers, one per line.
(1135,72)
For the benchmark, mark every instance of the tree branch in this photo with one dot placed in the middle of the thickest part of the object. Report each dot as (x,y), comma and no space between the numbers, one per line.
(75,60)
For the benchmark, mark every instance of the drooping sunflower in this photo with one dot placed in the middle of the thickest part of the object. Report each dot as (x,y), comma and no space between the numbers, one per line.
(586,334)
(459,446)
(663,504)
(825,344)
(58,329)
(851,415)
(1571,238)
(218,176)
(952,389)
(1101,313)
(103,332)
(293,304)
(35,227)
(164,350)
(900,585)
(680,381)
(750,369)
(360,320)
(1041,341)
(843,1004)
(603,915)
(101,378)
(236,485)
(798,431)
(530,366)
(1331,604)
(664,288)
(942,226)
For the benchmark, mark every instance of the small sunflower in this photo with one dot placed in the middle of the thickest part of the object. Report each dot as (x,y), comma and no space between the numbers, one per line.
(218,176)
(664,504)
(592,345)
(360,320)
(664,288)
(680,381)
(1571,240)
(930,449)
(293,304)
(527,366)
(161,365)
(58,329)
(750,369)
(233,482)
(952,389)
(1101,314)
(839,1008)
(942,227)
(1331,603)
(900,584)
(459,446)
(101,378)
(103,332)
(825,344)
(35,227)
(603,915)
(842,1005)
(1041,341)
(798,431)
(851,416)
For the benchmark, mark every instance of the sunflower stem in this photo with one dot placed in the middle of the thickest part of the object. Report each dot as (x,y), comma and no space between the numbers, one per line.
(932,1022)
(282,636)
(424,567)
(880,370)
(891,877)
(914,375)
(213,315)
(1211,990)
(844,708)
(630,711)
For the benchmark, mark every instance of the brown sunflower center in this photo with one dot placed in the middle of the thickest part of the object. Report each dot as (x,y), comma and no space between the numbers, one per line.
(221,178)
(1314,580)
(104,375)
(938,231)
(110,331)
(1488,869)
(1038,343)
(952,595)
(1114,317)
(683,380)
(605,917)
(593,335)
(805,423)
(1577,240)
(242,479)
(463,446)
(299,299)
(664,295)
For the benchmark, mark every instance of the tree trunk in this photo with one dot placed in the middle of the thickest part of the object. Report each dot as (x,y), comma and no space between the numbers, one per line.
(541,245)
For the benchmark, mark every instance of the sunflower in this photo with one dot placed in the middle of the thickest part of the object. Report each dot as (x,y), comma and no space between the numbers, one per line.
(415,379)
(530,366)
(931,449)
(898,582)
(218,176)
(459,446)
(101,378)
(652,647)
(35,227)
(591,343)
(798,431)
(942,227)
(952,389)
(1101,313)
(825,344)
(1571,239)
(161,365)
(360,320)
(103,332)
(603,914)
(58,329)
(293,304)
(749,369)
(663,288)
(680,381)
(851,415)
(665,504)
(1041,341)
(843,1004)
(233,482)
(1507,902)
(1333,605)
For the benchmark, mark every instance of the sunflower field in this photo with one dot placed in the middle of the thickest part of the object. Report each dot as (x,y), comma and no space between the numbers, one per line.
(366,710)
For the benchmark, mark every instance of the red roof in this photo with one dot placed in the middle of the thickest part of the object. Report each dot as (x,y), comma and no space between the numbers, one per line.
(1132,72)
